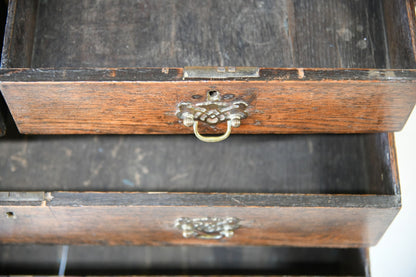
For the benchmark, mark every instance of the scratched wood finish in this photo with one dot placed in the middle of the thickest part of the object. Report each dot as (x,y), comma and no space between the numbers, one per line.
(150,107)
(144,223)
(400,21)
(183,261)
(272,33)
(183,33)
(320,164)
(205,33)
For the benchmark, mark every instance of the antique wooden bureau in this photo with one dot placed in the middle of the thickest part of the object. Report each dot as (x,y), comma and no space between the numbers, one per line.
(310,92)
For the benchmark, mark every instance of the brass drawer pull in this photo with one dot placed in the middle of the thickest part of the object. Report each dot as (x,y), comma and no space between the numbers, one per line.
(212,138)
(207,227)
(212,112)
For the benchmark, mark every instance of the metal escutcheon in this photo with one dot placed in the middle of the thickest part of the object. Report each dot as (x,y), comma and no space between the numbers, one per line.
(207,227)
(212,112)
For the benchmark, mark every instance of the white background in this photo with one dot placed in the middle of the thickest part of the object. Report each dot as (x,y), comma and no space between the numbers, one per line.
(395,254)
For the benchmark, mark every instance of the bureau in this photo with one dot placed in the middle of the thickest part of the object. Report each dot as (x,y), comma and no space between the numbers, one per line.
(280,68)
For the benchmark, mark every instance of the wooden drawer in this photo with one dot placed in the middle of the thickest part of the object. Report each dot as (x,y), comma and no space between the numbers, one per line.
(258,261)
(77,67)
(286,190)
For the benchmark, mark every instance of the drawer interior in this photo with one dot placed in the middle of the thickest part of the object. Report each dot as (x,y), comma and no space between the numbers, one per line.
(184,33)
(278,33)
(318,164)
(82,260)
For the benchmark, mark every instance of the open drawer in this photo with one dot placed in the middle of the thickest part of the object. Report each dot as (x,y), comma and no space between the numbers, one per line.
(182,260)
(284,190)
(135,67)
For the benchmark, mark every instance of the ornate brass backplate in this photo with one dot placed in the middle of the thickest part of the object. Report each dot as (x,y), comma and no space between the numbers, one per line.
(207,227)
(212,112)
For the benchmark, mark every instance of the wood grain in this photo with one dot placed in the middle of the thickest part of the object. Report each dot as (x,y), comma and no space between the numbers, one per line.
(19,34)
(272,33)
(139,224)
(399,17)
(166,74)
(275,106)
(319,164)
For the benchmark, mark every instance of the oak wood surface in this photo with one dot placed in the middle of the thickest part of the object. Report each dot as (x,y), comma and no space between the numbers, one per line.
(138,224)
(150,107)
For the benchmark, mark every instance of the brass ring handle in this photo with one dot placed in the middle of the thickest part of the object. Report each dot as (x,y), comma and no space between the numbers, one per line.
(213,111)
(212,138)
(206,236)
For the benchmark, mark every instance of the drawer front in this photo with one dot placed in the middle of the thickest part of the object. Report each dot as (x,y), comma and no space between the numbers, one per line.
(149,219)
(278,104)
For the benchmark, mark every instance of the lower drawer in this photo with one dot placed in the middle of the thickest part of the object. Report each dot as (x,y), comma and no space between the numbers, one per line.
(182,260)
(298,190)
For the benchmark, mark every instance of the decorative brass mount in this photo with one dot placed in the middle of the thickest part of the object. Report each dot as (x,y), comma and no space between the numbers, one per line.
(212,112)
(207,227)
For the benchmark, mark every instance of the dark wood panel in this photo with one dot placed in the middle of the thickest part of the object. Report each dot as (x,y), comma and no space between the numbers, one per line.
(276,33)
(169,74)
(340,34)
(152,199)
(150,107)
(182,260)
(351,164)
(138,224)
(399,17)
(19,34)
(153,33)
